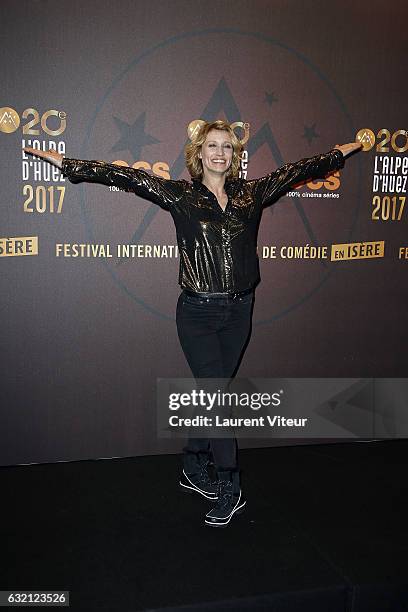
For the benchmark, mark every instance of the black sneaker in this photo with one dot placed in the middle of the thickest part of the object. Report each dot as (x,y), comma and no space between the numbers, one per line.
(195,476)
(230,500)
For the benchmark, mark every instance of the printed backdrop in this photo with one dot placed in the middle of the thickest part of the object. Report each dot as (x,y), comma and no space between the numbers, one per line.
(88,330)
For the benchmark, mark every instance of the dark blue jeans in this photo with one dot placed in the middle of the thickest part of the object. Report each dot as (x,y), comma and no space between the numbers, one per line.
(213,334)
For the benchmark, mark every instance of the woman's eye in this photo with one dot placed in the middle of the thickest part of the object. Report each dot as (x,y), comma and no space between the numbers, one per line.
(226,146)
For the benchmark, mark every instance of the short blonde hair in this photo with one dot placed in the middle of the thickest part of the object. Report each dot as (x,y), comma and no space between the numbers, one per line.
(192,149)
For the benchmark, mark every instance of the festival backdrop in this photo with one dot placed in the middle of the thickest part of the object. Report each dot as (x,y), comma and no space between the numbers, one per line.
(89,273)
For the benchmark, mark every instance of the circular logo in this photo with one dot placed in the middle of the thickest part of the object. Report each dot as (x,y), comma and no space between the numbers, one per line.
(366,137)
(142,118)
(9,120)
(194,127)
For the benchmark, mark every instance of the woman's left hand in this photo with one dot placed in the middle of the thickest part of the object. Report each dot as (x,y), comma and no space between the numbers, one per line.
(346,149)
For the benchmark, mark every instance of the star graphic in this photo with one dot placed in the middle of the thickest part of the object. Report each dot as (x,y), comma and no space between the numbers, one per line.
(270,97)
(133,136)
(310,133)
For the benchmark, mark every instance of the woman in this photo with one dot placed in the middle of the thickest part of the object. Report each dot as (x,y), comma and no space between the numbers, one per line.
(216,216)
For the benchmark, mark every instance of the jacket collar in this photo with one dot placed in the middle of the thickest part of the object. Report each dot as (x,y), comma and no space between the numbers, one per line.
(228,186)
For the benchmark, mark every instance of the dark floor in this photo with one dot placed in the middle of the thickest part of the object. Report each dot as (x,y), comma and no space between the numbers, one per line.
(325,529)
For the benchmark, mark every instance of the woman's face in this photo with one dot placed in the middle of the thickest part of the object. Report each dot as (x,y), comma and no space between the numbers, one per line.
(216,152)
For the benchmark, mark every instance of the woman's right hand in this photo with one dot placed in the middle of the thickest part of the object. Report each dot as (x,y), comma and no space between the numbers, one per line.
(51,155)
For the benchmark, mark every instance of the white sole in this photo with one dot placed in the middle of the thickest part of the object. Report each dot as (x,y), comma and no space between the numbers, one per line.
(221,522)
(193,487)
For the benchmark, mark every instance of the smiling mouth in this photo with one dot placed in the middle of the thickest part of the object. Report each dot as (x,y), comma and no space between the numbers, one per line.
(218,161)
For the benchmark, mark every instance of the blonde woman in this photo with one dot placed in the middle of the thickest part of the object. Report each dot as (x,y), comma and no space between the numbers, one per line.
(216,215)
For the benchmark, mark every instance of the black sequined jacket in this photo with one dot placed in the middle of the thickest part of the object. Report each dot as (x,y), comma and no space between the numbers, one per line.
(217,247)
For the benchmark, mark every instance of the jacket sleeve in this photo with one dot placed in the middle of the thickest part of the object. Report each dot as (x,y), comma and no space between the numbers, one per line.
(163,192)
(268,189)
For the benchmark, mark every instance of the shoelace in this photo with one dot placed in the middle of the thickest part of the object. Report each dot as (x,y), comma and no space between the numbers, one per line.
(205,475)
(224,494)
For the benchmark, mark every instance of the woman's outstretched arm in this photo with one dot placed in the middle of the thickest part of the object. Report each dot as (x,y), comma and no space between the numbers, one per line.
(268,189)
(163,192)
